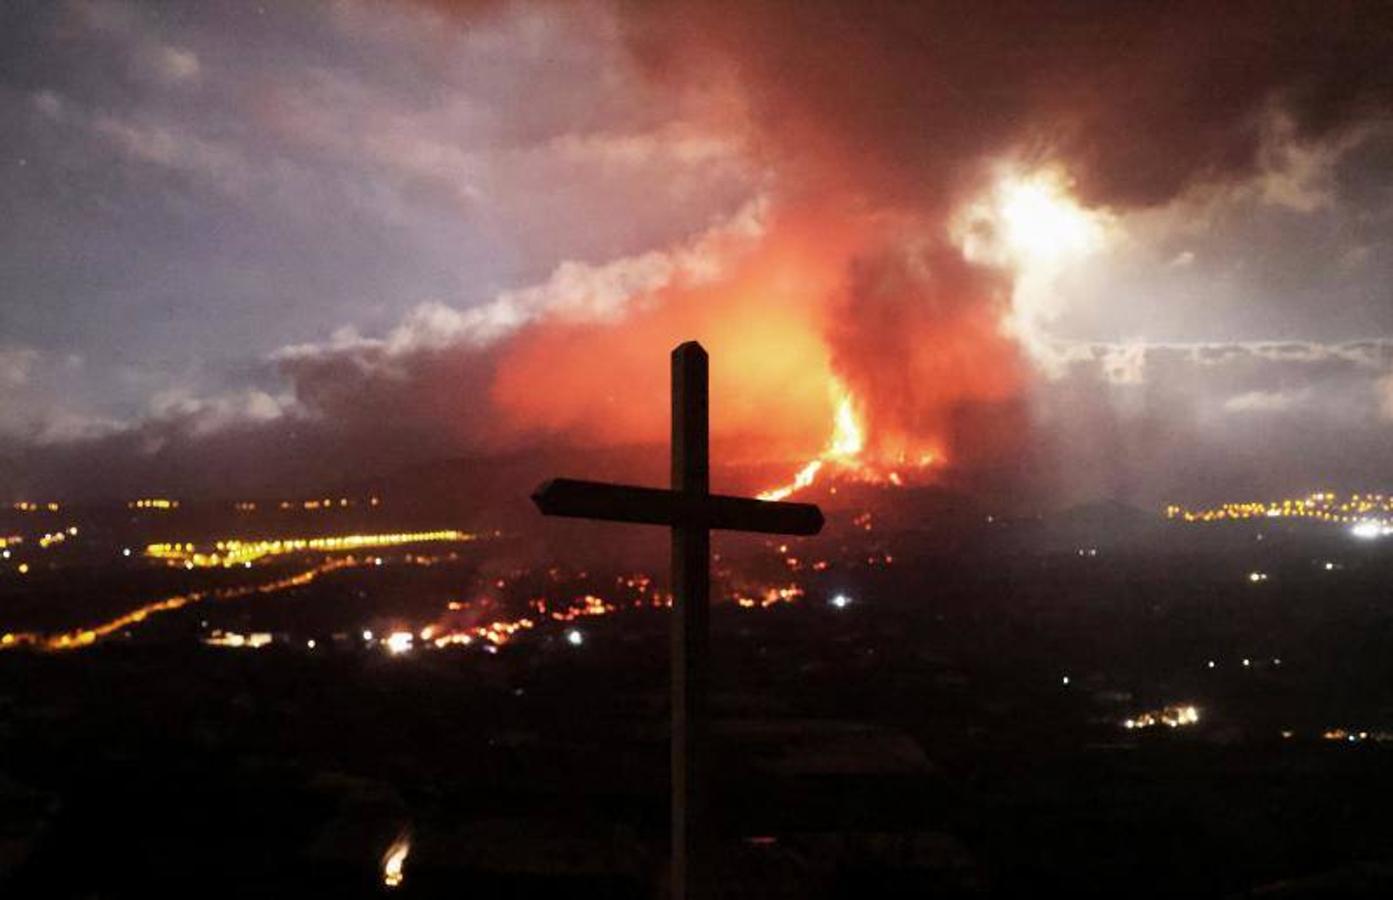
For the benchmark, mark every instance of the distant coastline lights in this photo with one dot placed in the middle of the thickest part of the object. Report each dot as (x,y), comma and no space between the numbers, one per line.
(1369,516)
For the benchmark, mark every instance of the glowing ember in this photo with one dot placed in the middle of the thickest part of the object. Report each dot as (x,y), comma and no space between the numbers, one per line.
(394,862)
(253,641)
(1176,716)
(770,597)
(804,478)
(588,605)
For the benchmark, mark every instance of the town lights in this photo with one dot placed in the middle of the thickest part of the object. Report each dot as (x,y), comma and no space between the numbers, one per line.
(1369,516)
(235,552)
(1174,716)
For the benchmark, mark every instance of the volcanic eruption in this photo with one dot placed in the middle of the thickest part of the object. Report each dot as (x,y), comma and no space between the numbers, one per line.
(864,211)
(893,283)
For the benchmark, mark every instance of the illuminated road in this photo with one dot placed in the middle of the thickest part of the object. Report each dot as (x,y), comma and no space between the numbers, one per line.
(228,553)
(445,632)
(86,637)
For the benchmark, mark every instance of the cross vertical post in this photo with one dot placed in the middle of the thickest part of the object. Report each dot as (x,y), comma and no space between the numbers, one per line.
(691,611)
(690,509)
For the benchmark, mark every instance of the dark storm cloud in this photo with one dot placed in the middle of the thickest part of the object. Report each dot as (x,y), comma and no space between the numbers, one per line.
(1141,100)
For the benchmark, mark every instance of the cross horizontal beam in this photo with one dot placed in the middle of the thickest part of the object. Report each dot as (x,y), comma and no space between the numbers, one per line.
(657,506)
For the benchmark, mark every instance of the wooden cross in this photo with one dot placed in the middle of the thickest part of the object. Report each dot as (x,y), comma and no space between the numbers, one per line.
(691,510)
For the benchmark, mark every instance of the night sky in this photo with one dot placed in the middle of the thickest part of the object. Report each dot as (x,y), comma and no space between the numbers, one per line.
(1105,251)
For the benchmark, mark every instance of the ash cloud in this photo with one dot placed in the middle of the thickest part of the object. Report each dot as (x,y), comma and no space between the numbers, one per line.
(909,101)
(916,333)
(909,110)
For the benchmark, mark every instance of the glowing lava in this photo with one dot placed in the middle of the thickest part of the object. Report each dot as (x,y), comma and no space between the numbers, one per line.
(844,453)
(845,446)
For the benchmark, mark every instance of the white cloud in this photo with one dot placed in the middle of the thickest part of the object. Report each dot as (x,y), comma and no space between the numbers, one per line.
(176,148)
(574,292)
(67,427)
(174,65)
(1126,362)
(16,364)
(201,416)
(676,144)
(1298,175)
(50,104)
(136,32)
(37,403)
(1266,401)
(1385,387)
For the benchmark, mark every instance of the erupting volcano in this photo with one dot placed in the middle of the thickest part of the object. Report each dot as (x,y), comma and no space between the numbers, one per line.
(842,458)
(897,371)
(888,340)
(946,329)
(938,231)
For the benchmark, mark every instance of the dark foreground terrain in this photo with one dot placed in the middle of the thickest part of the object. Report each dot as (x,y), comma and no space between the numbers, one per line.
(953,727)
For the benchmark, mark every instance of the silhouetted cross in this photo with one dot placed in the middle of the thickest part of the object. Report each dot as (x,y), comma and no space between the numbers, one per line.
(692,511)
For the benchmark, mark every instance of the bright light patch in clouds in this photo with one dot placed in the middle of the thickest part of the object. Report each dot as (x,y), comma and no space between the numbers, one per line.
(1030,224)
(1029,220)
(1265,401)
(1041,224)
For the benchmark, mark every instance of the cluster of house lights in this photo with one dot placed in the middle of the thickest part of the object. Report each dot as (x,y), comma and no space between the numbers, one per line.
(1174,716)
(1354,509)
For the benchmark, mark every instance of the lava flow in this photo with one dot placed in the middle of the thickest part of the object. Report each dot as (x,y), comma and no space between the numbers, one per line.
(844,455)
